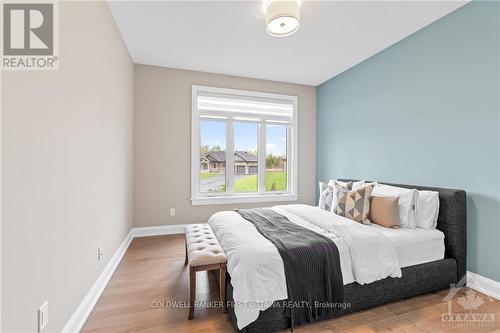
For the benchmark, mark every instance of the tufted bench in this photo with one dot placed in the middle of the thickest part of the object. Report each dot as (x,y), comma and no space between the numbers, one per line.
(204,253)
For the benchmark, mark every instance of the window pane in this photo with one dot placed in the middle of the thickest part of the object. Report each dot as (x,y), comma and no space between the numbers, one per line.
(276,160)
(245,157)
(212,156)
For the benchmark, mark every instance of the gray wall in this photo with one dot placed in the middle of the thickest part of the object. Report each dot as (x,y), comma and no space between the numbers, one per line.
(66,169)
(426,111)
(162,142)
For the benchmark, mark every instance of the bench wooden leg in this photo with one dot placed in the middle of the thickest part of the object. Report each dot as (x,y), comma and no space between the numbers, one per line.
(186,259)
(192,291)
(222,287)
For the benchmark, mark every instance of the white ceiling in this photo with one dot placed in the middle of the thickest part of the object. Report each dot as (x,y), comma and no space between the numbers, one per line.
(229,37)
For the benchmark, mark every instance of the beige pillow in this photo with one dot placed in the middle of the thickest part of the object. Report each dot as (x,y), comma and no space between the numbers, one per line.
(354,204)
(384,211)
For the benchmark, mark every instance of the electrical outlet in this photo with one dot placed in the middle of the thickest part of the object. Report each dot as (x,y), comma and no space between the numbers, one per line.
(43,316)
(100,252)
(172,211)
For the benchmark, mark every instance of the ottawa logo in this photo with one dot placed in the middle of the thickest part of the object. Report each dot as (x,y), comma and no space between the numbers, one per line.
(464,308)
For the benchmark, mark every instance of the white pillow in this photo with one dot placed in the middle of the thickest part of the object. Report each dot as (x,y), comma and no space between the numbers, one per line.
(427,209)
(407,200)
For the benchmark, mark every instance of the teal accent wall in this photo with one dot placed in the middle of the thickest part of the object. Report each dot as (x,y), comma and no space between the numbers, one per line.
(425,111)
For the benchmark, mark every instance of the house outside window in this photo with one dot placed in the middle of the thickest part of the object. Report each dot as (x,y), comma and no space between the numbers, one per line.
(243,146)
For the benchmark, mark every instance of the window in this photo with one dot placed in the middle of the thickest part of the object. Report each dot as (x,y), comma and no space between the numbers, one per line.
(243,146)
(213,152)
(245,156)
(276,168)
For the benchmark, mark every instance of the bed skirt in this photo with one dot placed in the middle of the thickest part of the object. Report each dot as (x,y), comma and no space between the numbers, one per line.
(416,280)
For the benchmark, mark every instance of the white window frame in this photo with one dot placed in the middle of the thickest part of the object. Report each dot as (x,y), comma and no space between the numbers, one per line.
(198,198)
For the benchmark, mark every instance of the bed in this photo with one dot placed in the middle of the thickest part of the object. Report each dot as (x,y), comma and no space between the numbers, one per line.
(428,260)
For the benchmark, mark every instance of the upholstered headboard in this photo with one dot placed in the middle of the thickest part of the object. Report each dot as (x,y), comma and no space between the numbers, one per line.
(452,221)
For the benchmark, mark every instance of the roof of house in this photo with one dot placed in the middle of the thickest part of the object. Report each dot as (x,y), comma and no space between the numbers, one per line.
(216,156)
(220,156)
(246,156)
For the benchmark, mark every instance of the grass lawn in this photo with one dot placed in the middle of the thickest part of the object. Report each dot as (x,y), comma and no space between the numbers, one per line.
(205,175)
(249,183)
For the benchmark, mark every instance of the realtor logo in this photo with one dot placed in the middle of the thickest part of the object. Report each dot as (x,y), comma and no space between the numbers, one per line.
(29,36)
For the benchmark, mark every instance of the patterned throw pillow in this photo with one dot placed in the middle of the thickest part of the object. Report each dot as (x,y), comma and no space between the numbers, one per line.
(354,204)
(340,184)
(338,188)
(325,196)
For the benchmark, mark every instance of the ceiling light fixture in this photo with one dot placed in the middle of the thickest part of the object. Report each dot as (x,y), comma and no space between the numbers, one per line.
(282,17)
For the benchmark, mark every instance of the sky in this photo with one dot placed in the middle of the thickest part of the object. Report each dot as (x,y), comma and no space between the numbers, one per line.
(245,136)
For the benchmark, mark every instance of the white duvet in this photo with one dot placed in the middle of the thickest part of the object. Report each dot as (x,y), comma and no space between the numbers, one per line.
(256,268)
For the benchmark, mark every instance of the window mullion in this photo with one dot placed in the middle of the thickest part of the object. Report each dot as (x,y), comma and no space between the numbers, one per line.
(289,158)
(229,157)
(261,152)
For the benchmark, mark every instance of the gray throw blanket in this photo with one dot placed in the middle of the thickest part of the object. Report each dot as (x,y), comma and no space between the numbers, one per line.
(311,262)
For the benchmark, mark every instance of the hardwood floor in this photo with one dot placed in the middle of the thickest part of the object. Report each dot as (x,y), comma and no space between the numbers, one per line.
(152,274)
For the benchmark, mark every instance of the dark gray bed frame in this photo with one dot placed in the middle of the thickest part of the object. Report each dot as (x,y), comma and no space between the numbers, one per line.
(416,280)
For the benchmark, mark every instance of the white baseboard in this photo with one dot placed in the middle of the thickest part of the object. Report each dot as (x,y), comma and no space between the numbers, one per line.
(83,311)
(160,230)
(483,284)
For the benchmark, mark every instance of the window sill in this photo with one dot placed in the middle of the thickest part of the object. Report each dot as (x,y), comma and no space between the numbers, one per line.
(221,200)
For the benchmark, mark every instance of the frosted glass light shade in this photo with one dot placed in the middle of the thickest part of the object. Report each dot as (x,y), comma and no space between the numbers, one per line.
(282,17)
